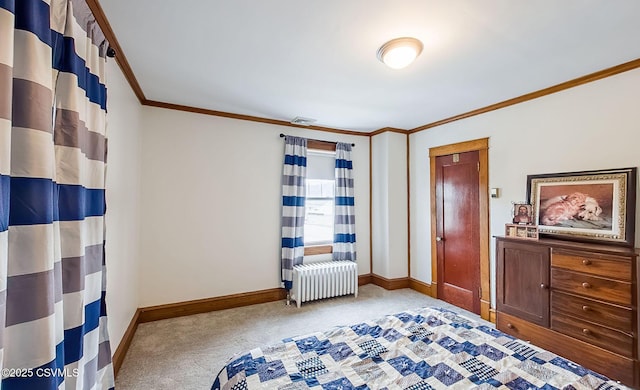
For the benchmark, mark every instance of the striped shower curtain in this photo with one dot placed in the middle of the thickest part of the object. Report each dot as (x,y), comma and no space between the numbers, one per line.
(344,243)
(53,328)
(294,176)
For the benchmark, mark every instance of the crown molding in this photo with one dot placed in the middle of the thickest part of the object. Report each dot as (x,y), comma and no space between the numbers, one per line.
(388,129)
(121,59)
(205,111)
(614,70)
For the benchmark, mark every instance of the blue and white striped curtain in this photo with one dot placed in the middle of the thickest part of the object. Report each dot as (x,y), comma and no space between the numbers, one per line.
(344,243)
(53,326)
(294,176)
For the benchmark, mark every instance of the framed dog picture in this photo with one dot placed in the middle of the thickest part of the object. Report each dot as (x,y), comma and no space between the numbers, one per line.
(585,206)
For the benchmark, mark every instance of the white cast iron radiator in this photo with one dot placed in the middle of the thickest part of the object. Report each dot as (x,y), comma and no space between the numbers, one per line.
(324,280)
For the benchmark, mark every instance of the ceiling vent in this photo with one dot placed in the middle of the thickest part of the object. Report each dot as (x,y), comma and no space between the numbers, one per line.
(302,121)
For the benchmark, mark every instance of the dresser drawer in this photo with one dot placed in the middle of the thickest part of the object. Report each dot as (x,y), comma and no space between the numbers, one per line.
(613,316)
(606,266)
(606,338)
(602,360)
(591,286)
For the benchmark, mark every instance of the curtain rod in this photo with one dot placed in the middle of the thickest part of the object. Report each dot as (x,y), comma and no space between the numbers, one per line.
(318,140)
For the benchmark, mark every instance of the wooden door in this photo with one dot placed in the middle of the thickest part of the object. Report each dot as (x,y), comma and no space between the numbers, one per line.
(523,280)
(458,229)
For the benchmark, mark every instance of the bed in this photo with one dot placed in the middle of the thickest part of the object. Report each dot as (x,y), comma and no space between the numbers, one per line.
(427,348)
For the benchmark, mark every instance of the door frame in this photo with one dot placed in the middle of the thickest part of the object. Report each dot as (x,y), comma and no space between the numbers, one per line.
(482,146)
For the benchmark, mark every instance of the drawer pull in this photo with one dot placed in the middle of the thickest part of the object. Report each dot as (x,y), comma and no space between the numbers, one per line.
(586,308)
(542,285)
(586,261)
(586,331)
(586,285)
(510,326)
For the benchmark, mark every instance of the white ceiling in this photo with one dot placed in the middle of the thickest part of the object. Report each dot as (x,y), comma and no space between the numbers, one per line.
(279,59)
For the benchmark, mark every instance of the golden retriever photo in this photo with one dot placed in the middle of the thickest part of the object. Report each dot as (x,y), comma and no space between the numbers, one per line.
(578,206)
(567,207)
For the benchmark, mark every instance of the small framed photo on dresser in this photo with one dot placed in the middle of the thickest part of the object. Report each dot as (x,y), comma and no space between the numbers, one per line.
(522,213)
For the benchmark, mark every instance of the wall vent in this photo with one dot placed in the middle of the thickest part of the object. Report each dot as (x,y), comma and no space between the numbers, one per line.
(302,121)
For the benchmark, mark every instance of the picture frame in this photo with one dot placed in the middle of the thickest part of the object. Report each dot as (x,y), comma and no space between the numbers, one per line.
(522,213)
(597,206)
(517,230)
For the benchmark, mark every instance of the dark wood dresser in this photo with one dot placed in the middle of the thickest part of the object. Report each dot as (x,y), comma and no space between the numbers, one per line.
(577,300)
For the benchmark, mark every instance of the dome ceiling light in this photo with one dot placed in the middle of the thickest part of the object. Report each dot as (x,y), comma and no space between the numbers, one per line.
(400,52)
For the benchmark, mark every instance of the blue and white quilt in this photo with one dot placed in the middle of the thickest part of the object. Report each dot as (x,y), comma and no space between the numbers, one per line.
(429,348)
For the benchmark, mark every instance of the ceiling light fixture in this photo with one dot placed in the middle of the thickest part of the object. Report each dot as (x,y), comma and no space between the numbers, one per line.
(400,52)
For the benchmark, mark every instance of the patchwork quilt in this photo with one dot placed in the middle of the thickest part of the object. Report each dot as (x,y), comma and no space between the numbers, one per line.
(429,348)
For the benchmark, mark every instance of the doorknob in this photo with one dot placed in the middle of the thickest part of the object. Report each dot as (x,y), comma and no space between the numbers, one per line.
(438,238)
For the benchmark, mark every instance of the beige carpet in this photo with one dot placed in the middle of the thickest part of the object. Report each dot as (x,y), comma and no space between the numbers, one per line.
(187,352)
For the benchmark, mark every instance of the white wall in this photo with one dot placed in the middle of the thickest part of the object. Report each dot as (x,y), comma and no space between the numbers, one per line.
(211,189)
(590,127)
(389,211)
(123,198)
(182,224)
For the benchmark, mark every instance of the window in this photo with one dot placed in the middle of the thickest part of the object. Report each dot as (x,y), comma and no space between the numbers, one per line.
(320,195)
(318,219)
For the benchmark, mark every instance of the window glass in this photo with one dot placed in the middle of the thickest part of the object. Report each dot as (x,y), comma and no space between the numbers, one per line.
(319,210)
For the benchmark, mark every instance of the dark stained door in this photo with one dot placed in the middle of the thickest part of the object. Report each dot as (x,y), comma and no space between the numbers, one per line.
(458,229)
